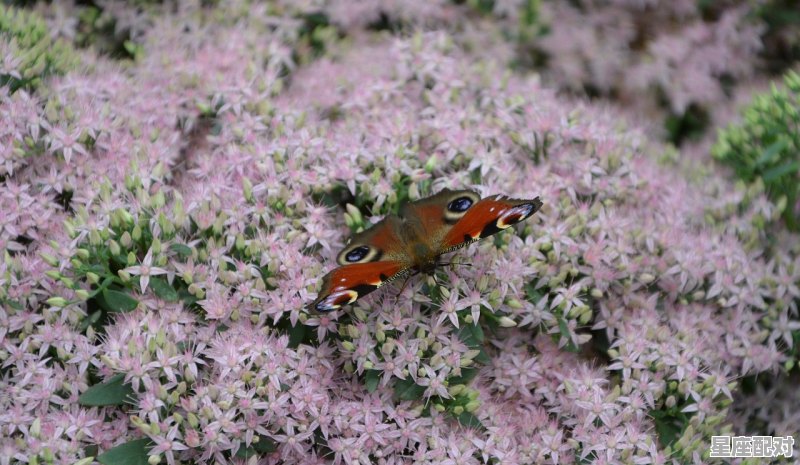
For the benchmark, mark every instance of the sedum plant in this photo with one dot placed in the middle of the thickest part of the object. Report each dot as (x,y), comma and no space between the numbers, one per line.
(164,222)
(27,53)
(765,146)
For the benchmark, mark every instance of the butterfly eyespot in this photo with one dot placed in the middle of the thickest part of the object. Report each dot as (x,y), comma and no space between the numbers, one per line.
(460,204)
(358,253)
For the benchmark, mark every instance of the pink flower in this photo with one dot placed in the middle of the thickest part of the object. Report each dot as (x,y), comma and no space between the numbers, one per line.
(145,270)
(167,444)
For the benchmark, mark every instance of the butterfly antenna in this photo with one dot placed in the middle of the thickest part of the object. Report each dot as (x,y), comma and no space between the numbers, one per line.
(456,263)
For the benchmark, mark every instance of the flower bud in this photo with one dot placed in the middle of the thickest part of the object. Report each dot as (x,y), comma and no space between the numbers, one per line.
(56,301)
(49,259)
(507,322)
(136,234)
(472,406)
(360,314)
(36,428)
(126,240)
(456,389)
(54,274)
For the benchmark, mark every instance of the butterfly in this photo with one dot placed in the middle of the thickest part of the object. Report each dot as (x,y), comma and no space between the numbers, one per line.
(412,241)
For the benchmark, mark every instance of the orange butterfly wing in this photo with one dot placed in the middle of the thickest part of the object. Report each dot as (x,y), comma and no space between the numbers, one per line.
(371,259)
(489,216)
(425,229)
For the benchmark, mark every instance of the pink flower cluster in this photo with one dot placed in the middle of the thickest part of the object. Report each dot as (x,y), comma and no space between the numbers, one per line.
(640,51)
(188,188)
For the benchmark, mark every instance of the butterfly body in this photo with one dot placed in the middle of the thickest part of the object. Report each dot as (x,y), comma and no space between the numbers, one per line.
(412,241)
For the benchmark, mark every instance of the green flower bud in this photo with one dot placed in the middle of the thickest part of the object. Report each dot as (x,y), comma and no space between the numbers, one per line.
(456,389)
(472,406)
(49,259)
(56,301)
(136,234)
(126,240)
(507,322)
(113,247)
(53,274)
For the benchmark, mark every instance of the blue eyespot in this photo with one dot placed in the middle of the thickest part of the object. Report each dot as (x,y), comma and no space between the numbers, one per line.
(357,254)
(460,204)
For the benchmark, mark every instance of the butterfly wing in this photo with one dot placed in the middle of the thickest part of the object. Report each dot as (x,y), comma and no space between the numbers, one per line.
(371,259)
(346,284)
(424,230)
(452,219)
(486,217)
(434,216)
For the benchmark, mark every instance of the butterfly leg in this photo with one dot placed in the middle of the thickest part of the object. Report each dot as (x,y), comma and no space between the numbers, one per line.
(402,288)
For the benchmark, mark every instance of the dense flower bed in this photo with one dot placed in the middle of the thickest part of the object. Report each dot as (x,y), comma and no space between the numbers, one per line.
(165,218)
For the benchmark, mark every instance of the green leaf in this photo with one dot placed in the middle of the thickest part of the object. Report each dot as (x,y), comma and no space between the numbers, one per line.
(188,299)
(769,154)
(117,301)
(668,427)
(469,420)
(182,250)
(113,392)
(163,290)
(779,171)
(477,332)
(130,453)
(90,320)
(564,330)
(533,294)
(264,446)
(372,378)
(407,389)
(472,335)
(467,375)
(296,335)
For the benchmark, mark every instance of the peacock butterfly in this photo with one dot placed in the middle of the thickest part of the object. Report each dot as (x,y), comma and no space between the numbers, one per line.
(413,241)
